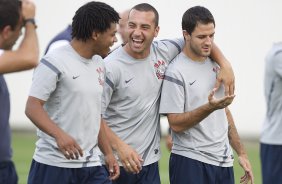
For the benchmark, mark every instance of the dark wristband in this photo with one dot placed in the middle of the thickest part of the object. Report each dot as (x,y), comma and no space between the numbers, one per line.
(30,20)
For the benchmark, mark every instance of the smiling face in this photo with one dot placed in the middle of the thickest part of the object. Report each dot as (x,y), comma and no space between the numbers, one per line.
(199,43)
(141,32)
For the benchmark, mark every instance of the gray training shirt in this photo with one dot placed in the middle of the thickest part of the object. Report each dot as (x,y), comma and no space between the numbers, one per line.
(186,86)
(130,102)
(272,126)
(72,87)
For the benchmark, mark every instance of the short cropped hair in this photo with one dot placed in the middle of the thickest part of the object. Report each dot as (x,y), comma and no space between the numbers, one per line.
(146,8)
(93,16)
(10,12)
(195,15)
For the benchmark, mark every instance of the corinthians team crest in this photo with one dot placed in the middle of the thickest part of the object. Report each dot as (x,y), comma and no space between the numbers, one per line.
(100,72)
(160,67)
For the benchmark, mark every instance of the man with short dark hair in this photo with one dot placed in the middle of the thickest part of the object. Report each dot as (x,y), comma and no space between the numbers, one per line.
(14,15)
(202,126)
(65,103)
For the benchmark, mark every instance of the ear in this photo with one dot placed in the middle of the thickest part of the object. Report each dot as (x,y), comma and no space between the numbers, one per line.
(186,35)
(95,35)
(6,31)
(157,29)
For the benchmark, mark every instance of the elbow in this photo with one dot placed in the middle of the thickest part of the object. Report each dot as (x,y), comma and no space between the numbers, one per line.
(176,128)
(174,123)
(27,111)
(32,61)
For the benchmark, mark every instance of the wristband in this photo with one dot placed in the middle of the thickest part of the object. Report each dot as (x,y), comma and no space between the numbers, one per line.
(31,20)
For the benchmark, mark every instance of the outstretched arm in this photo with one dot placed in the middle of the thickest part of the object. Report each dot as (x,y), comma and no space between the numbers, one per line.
(130,159)
(226,74)
(182,121)
(236,144)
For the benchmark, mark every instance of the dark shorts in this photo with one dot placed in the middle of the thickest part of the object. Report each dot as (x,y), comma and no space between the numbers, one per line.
(8,174)
(183,170)
(148,175)
(271,163)
(46,174)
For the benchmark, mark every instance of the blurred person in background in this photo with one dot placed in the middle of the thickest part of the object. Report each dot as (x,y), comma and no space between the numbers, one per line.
(62,38)
(271,136)
(14,15)
(122,26)
(168,140)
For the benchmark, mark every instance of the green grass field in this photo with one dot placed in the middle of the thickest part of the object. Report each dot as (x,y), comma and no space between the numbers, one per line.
(24,143)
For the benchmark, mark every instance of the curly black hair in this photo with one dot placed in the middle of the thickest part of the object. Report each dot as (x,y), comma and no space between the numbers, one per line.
(93,16)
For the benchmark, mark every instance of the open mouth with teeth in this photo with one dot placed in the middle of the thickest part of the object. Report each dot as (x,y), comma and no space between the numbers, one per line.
(137,42)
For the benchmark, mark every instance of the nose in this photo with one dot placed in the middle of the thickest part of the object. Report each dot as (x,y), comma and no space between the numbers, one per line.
(115,39)
(208,40)
(137,32)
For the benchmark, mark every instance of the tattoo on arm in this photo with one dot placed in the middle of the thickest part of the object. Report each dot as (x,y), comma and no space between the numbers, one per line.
(233,135)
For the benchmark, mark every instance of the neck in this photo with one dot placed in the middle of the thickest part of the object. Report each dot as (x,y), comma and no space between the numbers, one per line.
(192,55)
(136,55)
(84,49)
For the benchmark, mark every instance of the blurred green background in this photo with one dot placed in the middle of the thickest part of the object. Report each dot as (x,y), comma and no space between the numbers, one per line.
(24,144)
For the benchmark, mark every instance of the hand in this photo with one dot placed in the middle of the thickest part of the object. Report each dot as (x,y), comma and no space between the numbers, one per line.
(221,102)
(245,164)
(68,146)
(130,159)
(112,166)
(226,75)
(28,9)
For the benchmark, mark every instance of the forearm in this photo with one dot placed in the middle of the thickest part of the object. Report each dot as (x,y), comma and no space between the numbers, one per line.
(219,58)
(226,74)
(114,140)
(29,47)
(233,135)
(103,141)
(183,121)
(23,58)
(35,112)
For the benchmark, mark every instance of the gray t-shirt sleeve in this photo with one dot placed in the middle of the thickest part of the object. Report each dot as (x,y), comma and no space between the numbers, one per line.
(172,96)
(44,80)
(277,60)
(170,48)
